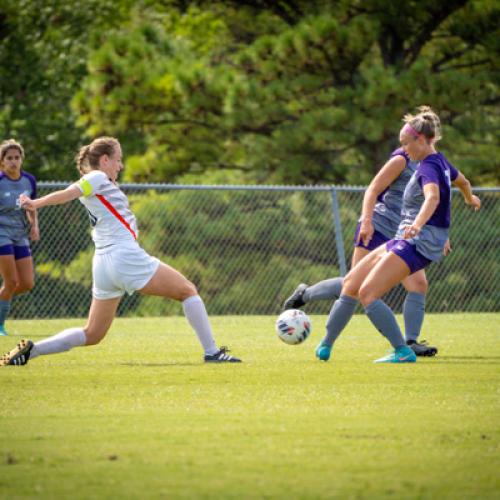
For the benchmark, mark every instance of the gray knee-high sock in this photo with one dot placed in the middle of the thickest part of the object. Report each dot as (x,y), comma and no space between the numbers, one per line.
(4,310)
(413,313)
(340,314)
(383,318)
(61,342)
(196,314)
(326,289)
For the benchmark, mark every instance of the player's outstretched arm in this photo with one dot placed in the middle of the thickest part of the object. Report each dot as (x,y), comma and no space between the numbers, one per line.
(462,183)
(56,198)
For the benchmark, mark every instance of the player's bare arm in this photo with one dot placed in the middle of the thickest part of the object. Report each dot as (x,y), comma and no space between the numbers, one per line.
(56,198)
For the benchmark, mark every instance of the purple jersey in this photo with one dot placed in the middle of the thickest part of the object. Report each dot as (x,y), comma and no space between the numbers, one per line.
(435,169)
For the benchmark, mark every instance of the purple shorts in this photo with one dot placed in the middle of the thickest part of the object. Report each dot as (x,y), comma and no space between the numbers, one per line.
(17,252)
(377,240)
(408,252)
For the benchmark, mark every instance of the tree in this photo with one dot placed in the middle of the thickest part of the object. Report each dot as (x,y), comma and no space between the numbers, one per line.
(312,91)
(43,52)
(281,91)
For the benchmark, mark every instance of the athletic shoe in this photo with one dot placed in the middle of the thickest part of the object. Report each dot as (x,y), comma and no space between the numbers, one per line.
(20,355)
(295,301)
(3,333)
(323,351)
(421,348)
(221,356)
(403,354)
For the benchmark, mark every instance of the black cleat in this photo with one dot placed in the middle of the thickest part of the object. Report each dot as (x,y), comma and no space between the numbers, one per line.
(20,355)
(296,301)
(421,348)
(221,357)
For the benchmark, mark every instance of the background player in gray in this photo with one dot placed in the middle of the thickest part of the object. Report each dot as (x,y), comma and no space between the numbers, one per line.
(16,230)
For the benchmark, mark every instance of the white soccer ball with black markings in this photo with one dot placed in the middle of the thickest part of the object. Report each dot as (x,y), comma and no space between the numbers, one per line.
(293,326)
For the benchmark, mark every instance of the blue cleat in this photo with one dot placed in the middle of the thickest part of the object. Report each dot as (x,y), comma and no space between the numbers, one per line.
(323,351)
(3,333)
(402,354)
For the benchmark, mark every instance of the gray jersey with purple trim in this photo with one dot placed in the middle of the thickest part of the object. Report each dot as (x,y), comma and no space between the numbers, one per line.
(387,212)
(437,170)
(13,222)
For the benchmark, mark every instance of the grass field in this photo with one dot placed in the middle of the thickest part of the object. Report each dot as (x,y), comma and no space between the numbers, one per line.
(140,416)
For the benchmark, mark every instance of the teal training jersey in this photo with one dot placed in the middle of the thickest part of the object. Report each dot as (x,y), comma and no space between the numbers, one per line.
(12,216)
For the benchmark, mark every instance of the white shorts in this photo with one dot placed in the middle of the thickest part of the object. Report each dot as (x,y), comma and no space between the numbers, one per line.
(120,270)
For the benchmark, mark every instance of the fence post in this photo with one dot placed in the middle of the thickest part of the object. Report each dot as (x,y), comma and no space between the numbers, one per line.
(338,232)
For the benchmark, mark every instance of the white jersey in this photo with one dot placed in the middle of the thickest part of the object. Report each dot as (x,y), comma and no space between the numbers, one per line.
(109,211)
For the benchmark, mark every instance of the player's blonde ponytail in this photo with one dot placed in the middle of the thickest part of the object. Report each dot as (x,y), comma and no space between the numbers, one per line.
(88,156)
(425,122)
(82,163)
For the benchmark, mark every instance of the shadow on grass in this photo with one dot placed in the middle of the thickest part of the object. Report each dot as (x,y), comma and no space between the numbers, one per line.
(486,360)
(156,365)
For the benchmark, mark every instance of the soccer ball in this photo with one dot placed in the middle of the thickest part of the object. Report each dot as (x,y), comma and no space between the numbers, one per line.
(293,326)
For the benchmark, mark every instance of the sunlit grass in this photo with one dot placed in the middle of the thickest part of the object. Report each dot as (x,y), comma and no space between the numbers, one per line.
(140,416)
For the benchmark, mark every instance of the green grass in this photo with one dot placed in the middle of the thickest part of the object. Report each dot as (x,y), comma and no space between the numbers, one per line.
(140,416)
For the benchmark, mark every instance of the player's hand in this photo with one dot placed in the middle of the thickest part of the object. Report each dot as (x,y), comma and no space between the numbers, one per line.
(26,202)
(410,232)
(365,232)
(34,233)
(447,248)
(474,202)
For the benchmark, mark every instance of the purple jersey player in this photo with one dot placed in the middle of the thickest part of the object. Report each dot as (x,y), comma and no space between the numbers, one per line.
(379,222)
(421,238)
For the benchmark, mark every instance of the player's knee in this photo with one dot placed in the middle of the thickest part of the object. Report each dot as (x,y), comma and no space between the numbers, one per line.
(25,286)
(188,289)
(91,340)
(10,284)
(93,336)
(349,288)
(418,284)
(421,286)
(366,295)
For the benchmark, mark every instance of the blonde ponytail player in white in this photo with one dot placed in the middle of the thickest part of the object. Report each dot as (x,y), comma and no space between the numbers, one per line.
(120,265)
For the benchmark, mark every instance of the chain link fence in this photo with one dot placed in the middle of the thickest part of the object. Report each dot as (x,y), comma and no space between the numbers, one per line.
(248,247)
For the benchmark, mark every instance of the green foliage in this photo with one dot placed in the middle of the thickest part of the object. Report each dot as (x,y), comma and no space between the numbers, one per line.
(247,250)
(43,52)
(318,97)
(285,92)
(51,283)
(180,226)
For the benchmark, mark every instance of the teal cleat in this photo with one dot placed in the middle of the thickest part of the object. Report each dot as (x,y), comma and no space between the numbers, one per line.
(3,333)
(402,354)
(323,351)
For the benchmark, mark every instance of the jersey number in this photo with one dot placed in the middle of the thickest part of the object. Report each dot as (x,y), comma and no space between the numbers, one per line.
(92,217)
(447,174)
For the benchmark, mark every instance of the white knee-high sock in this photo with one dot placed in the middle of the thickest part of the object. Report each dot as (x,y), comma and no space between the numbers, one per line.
(62,341)
(196,314)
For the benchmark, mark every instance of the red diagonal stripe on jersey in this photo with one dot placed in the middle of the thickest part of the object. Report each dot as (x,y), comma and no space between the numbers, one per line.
(113,210)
